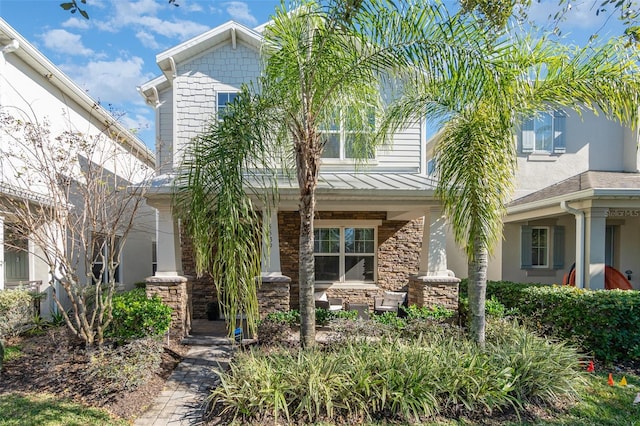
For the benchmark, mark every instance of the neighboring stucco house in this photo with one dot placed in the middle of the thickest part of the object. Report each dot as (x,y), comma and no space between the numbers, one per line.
(576,202)
(379,207)
(34,90)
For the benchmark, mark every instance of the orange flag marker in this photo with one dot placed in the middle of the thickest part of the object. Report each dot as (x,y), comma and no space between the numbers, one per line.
(591,368)
(623,382)
(610,381)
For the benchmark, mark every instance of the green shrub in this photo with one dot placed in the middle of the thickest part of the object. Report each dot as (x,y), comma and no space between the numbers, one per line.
(604,323)
(400,380)
(391,319)
(291,317)
(345,315)
(136,316)
(16,311)
(323,316)
(435,312)
(125,367)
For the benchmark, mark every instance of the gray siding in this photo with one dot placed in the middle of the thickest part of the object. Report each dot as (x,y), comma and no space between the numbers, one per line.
(198,80)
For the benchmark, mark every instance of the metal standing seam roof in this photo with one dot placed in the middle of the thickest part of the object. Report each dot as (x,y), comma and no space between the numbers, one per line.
(336,182)
(367,182)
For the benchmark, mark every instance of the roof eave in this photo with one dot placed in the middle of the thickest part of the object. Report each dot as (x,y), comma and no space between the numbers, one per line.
(32,57)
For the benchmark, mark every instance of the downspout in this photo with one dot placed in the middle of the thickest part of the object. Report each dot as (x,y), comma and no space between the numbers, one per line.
(580,232)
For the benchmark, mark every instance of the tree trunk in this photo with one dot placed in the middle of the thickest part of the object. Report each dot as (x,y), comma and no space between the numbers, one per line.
(477,289)
(307,273)
(308,159)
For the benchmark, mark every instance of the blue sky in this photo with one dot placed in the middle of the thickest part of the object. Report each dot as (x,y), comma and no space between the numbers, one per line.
(114,51)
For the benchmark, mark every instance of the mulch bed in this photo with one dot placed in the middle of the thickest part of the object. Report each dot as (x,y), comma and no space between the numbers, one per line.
(53,363)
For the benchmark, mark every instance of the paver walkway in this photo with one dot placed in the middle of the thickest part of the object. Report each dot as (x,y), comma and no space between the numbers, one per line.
(181,402)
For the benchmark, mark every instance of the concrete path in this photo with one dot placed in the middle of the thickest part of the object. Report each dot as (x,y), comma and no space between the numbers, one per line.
(181,402)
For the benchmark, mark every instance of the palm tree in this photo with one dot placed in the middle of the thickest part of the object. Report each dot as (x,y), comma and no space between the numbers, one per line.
(476,157)
(321,61)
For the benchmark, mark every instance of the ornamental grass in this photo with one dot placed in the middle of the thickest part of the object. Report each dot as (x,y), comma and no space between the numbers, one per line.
(399,379)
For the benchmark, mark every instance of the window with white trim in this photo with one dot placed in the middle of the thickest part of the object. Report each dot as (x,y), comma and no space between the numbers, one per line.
(341,143)
(224,98)
(539,247)
(344,254)
(542,247)
(103,253)
(544,133)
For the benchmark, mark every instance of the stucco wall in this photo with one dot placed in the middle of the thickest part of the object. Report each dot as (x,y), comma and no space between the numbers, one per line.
(592,143)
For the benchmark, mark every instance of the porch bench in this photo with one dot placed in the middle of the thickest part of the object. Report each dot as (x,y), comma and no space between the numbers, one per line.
(390,302)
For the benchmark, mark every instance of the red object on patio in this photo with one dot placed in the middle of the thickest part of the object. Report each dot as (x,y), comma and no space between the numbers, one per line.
(613,279)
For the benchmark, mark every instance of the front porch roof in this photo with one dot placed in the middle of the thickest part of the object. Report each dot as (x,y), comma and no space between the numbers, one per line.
(583,187)
(343,191)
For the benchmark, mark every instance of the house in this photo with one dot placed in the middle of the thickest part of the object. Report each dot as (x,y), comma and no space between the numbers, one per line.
(576,203)
(381,207)
(33,90)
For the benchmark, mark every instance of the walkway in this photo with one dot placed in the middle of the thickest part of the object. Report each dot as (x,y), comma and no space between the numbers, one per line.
(181,400)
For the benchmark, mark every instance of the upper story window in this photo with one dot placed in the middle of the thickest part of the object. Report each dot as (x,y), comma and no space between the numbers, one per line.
(344,254)
(341,143)
(224,98)
(545,133)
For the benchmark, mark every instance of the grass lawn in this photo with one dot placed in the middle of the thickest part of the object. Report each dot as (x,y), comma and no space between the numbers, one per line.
(49,410)
(601,405)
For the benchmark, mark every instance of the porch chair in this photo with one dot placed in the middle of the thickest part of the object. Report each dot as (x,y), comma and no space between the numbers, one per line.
(328,303)
(390,302)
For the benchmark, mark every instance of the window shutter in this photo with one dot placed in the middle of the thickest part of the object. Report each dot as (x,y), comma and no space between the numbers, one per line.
(559,138)
(558,247)
(525,250)
(528,136)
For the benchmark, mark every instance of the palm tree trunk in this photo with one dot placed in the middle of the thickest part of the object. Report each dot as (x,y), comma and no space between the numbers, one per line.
(306,268)
(308,159)
(477,289)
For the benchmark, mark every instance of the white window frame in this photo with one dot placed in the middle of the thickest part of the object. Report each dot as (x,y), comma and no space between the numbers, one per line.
(547,248)
(342,133)
(105,255)
(557,132)
(218,106)
(342,225)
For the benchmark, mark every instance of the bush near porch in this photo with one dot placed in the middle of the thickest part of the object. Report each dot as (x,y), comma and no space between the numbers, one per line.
(604,323)
(16,311)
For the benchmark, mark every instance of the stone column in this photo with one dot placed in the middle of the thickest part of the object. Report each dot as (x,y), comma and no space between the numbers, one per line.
(1,252)
(595,230)
(434,284)
(174,292)
(274,291)
(168,282)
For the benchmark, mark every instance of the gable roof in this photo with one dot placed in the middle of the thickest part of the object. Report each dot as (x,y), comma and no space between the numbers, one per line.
(230,30)
(36,60)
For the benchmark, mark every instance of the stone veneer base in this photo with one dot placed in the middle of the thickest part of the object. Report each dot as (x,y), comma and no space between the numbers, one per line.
(274,294)
(176,293)
(434,290)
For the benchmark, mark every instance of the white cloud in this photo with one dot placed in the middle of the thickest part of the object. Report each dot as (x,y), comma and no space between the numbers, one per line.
(76,23)
(239,11)
(110,81)
(192,7)
(62,41)
(143,16)
(147,40)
